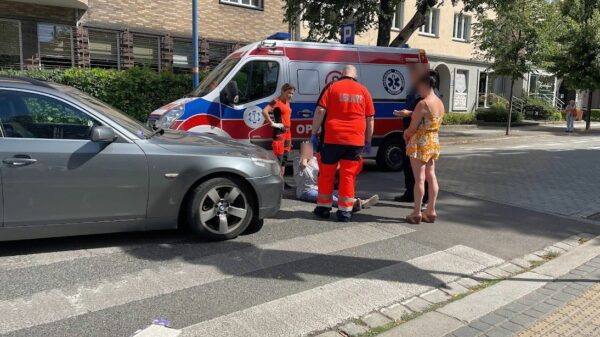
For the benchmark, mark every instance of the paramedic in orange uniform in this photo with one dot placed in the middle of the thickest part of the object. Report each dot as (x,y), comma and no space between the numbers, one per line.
(345,115)
(281,123)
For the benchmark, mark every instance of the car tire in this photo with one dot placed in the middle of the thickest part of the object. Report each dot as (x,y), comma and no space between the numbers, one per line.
(390,156)
(254,227)
(214,213)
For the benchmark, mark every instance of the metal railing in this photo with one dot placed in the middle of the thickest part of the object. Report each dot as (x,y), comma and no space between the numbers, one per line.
(554,101)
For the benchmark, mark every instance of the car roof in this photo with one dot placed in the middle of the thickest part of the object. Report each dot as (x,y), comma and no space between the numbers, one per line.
(27,83)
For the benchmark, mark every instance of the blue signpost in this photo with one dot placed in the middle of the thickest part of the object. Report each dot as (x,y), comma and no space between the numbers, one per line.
(195,66)
(347,33)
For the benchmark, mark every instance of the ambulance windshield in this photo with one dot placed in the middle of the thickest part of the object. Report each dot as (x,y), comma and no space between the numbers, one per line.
(214,78)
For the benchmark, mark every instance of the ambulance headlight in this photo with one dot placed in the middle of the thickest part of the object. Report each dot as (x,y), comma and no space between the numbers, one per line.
(167,119)
(271,165)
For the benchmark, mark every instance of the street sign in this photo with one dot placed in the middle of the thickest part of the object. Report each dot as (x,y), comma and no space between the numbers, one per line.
(347,34)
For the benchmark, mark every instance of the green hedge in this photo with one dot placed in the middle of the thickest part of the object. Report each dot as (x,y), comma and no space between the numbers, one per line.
(497,113)
(136,91)
(539,109)
(459,118)
(595,115)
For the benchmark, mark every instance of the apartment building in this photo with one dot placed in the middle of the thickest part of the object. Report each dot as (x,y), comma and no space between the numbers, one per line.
(124,33)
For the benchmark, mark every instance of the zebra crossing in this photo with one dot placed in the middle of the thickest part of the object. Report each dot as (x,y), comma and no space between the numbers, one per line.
(288,286)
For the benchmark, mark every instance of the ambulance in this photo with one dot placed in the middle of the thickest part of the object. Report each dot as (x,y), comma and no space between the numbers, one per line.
(229,100)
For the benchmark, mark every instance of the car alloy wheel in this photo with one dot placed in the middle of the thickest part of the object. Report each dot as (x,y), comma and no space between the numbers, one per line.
(223,209)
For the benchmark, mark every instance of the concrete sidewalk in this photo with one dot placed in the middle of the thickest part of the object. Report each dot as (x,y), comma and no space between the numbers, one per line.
(559,298)
(560,295)
(466,134)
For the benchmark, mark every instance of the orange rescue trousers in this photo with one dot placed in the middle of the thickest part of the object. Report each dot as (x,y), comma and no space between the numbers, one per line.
(350,163)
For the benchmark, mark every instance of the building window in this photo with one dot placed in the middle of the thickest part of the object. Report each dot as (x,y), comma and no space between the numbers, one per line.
(462,27)
(398,20)
(182,54)
(104,49)
(257,4)
(55,45)
(432,18)
(146,51)
(10,44)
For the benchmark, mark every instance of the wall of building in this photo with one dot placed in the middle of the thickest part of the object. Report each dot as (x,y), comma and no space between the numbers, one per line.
(217,20)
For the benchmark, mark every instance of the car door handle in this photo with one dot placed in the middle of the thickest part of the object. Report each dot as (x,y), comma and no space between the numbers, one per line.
(19,161)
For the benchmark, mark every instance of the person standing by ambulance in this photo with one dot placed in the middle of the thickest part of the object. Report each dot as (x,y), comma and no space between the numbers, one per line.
(345,116)
(281,124)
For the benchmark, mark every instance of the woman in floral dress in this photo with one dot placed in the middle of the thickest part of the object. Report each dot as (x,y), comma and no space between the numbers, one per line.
(423,148)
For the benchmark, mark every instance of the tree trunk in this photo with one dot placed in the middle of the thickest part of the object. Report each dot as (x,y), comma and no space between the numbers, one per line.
(588,115)
(510,107)
(384,23)
(417,21)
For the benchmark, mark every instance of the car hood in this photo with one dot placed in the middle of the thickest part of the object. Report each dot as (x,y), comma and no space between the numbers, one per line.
(207,144)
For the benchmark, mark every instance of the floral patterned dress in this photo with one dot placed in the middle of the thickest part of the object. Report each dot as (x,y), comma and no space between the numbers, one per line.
(425,143)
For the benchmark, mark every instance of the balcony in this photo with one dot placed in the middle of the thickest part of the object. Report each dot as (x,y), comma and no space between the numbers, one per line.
(79,4)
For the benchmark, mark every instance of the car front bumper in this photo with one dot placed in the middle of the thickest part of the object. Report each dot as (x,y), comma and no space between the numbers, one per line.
(269,192)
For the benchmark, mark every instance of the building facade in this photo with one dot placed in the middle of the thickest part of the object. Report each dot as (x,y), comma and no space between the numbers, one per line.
(464,82)
(123,33)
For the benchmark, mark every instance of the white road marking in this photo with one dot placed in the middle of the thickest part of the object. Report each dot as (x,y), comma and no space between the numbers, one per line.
(24,312)
(326,306)
(46,258)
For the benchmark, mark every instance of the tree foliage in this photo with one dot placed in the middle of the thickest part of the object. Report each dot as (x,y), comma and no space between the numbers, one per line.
(509,38)
(326,17)
(575,53)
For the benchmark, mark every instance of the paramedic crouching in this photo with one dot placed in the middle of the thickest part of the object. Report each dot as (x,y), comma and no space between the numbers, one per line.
(345,116)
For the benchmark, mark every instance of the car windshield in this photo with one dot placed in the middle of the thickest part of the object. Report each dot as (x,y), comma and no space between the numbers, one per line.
(215,77)
(113,113)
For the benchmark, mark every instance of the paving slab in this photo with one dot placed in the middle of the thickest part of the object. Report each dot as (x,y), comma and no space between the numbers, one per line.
(396,312)
(468,282)
(431,324)
(570,260)
(454,289)
(489,299)
(375,319)
(417,304)
(352,329)
(435,296)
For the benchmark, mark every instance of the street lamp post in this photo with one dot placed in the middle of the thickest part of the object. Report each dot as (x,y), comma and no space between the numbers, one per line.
(195,71)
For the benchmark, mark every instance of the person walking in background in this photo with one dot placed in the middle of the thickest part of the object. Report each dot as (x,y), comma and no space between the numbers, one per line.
(345,113)
(281,124)
(306,171)
(423,148)
(571,115)
(416,72)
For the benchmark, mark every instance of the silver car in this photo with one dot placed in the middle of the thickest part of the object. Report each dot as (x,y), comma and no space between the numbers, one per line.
(73,165)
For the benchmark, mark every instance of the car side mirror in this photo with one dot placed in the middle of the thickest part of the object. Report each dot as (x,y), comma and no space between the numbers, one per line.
(103,134)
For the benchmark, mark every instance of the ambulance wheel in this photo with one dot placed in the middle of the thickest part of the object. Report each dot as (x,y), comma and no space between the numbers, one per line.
(391,154)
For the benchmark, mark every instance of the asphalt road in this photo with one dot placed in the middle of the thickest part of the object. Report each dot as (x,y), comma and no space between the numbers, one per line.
(500,199)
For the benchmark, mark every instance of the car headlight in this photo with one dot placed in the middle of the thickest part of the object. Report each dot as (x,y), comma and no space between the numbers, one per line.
(170,116)
(271,165)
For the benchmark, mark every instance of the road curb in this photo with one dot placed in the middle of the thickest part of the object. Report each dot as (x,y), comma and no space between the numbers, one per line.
(475,299)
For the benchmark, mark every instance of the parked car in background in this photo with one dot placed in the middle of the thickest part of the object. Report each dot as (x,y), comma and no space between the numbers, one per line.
(73,165)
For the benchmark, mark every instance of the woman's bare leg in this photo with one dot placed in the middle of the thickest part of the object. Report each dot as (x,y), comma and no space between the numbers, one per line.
(433,187)
(418,168)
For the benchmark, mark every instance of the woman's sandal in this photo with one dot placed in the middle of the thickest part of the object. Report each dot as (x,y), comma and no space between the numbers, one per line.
(429,218)
(413,219)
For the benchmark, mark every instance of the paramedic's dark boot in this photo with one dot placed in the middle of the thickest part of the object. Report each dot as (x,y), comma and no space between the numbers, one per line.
(322,212)
(344,216)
